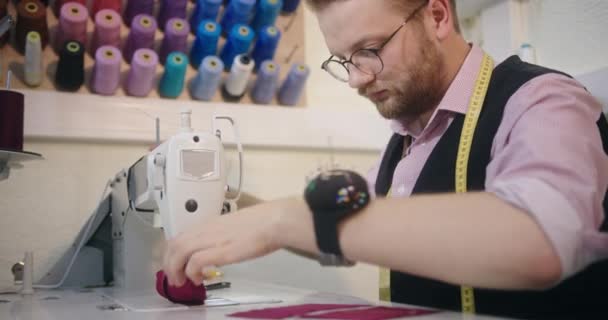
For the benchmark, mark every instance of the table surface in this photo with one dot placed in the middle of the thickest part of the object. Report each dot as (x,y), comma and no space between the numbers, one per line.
(113,303)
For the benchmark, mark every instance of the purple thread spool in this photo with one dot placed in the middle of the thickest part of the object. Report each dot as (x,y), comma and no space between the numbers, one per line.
(106,72)
(135,7)
(171,9)
(141,35)
(142,74)
(107,29)
(176,38)
(72,24)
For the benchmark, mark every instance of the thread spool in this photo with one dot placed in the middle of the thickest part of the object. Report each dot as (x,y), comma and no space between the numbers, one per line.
(238,42)
(237,81)
(142,74)
(266,13)
(207,36)
(11,120)
(267,82)
(58,4)
(31,16)
(135,7)
(72,24)
(266,44)
(142,32)
(527,53)
(3,13)
(204,10)
(290,6)
(99,5)
(33,59)
(107,29)
(106,71)
(176,37)
(208,78)
(171,9)
(293,86)
(237,12)
(70,68)
(172,81)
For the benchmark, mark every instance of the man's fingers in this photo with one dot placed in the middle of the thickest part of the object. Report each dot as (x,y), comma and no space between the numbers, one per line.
(202,262)
(176,257)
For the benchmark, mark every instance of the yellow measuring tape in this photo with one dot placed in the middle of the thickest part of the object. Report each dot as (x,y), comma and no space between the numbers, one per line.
(462,159)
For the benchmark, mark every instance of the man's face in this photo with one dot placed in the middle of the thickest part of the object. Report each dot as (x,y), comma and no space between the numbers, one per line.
(410,82)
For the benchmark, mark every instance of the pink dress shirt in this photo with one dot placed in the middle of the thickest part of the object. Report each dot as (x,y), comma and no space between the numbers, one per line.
(547,159)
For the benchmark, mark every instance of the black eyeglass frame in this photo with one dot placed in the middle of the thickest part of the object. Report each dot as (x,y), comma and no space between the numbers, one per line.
(374,51)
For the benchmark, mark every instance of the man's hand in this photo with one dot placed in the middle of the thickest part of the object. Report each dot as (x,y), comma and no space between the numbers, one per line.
(244,235)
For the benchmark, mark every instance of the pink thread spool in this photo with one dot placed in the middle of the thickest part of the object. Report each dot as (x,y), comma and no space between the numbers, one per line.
(106,72)
(72,24)
(142,32)
(107,29)
(142,74)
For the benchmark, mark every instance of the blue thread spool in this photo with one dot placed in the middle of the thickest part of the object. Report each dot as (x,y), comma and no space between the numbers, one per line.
(238,42)
(290,6)
(205,44)
(266,84)
(293,86)
(204,10)
(208,78)
(237,12)
(266,13)
(266,45)
(172,81)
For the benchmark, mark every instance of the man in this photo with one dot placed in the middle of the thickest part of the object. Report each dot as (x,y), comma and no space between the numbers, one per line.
(527,237)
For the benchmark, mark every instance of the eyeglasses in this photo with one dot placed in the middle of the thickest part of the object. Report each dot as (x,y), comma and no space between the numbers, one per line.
(367,61)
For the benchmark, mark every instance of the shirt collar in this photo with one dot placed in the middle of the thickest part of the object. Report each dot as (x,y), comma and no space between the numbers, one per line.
(456,98)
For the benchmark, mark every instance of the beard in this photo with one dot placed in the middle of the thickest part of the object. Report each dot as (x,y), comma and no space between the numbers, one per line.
(420,88)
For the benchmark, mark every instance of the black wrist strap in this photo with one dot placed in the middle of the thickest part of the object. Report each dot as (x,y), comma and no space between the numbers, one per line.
(326,232)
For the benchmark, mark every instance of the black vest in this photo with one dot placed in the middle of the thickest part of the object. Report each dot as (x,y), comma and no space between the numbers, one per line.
(585,293)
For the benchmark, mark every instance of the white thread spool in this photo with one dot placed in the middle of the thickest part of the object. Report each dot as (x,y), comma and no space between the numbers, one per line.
(33,59)
(527,53)
(237,81)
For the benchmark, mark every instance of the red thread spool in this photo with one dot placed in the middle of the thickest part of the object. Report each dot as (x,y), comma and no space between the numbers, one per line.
(60,3)
(3,13)
(31,16)
(11,120)
(115,5)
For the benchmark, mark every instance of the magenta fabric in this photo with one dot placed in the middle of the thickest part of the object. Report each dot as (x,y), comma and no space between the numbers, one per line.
(188,294)
(291,311)
(375,313)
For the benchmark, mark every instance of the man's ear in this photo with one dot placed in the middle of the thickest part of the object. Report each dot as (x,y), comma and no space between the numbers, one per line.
(442,19)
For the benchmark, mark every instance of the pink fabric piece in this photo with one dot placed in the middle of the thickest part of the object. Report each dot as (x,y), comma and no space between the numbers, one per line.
(291,311)
(375,313)
(188,294)
(547,158)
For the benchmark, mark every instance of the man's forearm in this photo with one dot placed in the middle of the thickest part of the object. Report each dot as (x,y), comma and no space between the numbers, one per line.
(474,239)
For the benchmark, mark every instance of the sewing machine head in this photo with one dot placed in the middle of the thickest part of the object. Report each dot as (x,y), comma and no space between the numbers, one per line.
(183,179)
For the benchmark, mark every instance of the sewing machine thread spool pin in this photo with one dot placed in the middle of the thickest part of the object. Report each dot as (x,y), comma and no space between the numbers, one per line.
(186,120)
(28,273)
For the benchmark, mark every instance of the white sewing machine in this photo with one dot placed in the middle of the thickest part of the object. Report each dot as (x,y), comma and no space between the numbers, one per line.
(180,183)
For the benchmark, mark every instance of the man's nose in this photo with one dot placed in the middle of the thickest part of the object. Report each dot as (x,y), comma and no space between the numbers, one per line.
(358,79)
